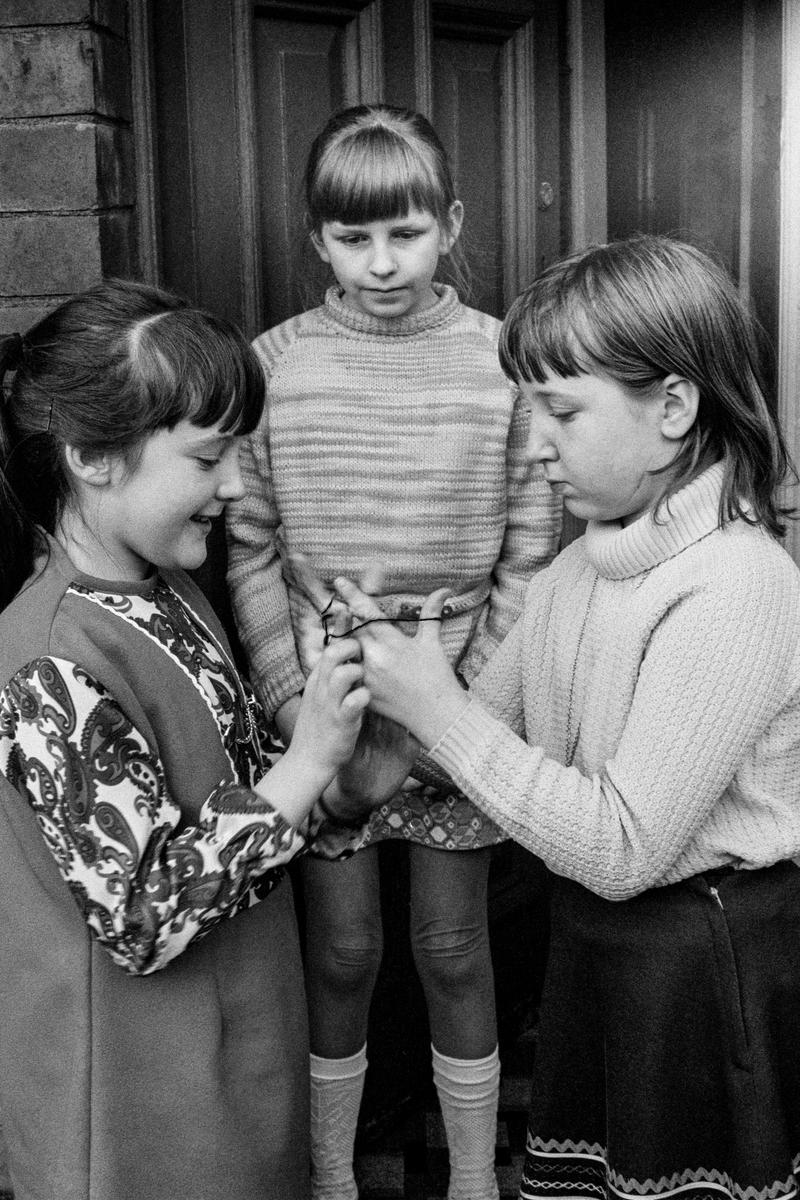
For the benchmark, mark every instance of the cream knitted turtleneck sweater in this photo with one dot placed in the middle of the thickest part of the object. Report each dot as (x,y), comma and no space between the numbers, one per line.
(655,678)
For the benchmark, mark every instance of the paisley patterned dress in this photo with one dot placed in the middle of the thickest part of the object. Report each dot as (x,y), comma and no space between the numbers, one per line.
(149,1046)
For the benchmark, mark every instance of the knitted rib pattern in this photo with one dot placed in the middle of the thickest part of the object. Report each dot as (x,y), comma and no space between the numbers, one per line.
(397,441)
(646,707)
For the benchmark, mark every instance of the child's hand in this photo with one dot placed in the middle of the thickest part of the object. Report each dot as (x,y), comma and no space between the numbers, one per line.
(409,679)
(383,757)
(331,712)
(329,614)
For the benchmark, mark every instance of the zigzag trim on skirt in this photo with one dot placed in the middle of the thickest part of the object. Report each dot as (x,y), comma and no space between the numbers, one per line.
(581,1169)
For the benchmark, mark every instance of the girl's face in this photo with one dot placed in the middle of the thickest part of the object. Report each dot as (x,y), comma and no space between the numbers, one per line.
(598,444)
(385,268)
(159,511)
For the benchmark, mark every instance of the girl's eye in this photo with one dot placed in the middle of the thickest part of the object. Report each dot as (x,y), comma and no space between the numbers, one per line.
(208,464)
(407,235)
(563,415)
(352,239)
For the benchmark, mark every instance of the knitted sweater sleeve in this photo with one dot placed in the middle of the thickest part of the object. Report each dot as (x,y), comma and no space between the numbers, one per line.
(720,666)
(258,593)
(145,889)
(530,542)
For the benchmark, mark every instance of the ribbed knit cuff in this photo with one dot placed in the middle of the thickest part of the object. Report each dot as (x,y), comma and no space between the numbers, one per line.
(466,740)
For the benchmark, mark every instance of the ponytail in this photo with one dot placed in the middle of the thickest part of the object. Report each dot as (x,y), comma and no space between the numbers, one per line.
(20,537)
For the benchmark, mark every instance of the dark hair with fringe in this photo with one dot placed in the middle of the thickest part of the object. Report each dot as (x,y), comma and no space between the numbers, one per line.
(640,309)
(374,162)
(102,372)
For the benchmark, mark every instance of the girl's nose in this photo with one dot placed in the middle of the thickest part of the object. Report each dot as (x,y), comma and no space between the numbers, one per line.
(540,446)
(383,259)
(231,485)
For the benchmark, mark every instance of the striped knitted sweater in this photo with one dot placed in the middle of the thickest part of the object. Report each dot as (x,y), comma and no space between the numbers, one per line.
(398,441)
(641,723)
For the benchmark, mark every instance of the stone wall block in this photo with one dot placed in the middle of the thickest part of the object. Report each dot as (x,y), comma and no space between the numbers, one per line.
(49,254)
(47,166)
(62,69)
(112,77)
(65,165)
(117,244)
(110,13)
(116,169)
(43,72)
(15,317)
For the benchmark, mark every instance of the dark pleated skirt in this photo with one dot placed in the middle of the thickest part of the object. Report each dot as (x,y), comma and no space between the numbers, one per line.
(668,1062)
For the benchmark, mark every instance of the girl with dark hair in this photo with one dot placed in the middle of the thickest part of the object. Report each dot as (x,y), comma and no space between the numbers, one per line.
(151,1046)
(390,432)
(639,729)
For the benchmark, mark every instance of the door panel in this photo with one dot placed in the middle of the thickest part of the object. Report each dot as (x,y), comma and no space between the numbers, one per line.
(694,103)
(467,105)
(307,63)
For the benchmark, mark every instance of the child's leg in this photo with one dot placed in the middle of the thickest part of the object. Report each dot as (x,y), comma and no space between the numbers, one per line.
(450,940)
(344,944)
(343,953)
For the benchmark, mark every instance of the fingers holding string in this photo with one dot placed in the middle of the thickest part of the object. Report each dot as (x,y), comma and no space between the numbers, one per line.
(363,608)
(340,668)
(366,613)
(334,614)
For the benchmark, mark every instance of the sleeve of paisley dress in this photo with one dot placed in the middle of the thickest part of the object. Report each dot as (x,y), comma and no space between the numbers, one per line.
(100,798)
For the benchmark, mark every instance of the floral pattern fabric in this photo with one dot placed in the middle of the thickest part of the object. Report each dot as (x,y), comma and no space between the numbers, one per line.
(101,800)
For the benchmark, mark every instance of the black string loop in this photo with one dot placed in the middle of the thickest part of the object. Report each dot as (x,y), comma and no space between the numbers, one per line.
(372,621)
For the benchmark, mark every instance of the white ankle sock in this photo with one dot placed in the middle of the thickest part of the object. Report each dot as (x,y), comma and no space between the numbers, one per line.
(336,1088)
(468,1090)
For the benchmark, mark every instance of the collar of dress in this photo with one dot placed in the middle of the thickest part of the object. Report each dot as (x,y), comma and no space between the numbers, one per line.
(618,552)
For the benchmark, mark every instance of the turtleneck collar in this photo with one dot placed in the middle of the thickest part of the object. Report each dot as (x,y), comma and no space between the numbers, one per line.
(360,324)
(618,552)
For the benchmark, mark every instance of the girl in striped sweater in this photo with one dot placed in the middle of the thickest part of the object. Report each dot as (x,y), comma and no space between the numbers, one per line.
(391,433)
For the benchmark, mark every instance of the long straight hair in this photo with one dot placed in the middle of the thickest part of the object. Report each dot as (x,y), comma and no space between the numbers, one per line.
(640,309)
(101,373)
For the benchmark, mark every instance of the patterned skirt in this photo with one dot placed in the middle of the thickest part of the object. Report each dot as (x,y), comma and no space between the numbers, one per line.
(433,818)
(668,1061)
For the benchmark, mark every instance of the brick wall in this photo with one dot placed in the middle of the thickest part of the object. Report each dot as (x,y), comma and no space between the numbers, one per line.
(66,152)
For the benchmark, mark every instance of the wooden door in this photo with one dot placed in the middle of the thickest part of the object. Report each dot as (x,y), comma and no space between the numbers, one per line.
(486,73)
(239,90)
(694,126)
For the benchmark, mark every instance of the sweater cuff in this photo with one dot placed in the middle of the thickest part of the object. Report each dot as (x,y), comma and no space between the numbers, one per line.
(465,741)
(279,690)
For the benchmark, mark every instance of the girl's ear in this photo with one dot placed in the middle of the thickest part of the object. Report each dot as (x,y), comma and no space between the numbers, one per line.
(319,246)
(94,470)
(455,219)
(681,399)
